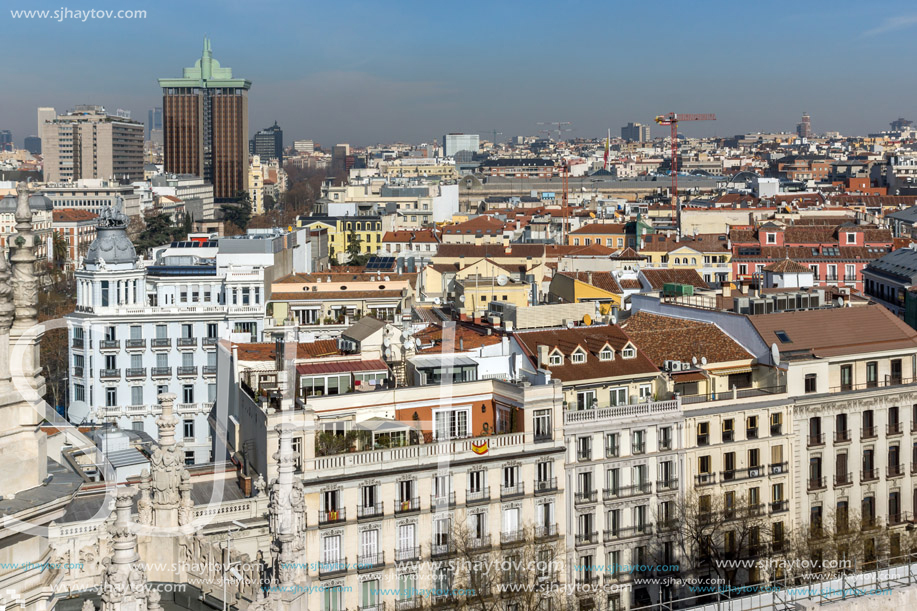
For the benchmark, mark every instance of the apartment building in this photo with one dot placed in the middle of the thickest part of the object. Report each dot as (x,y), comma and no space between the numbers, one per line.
(401,486)
(78,229)
(143,330)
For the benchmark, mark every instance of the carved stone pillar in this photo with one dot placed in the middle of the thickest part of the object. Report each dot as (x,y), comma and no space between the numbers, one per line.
(124,583)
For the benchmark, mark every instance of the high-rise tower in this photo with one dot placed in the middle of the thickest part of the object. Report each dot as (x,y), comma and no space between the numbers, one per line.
(205,125)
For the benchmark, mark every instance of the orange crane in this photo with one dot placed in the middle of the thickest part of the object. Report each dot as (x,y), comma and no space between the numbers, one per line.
(674,119)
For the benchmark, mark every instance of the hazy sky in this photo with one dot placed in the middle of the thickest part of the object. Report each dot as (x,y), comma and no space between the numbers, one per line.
(386,70)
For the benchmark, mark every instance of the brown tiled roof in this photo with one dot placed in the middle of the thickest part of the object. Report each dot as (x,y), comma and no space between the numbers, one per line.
(464,338)
(592,339)
(630,284)
(306,350)
(787,266)
(600,228)
(835,332)
(426,236)
(804,253)
(664,338)
(628,254)
(320,295)
(485,224)
(72,215)
(659,277)
(496,251)
(601,280)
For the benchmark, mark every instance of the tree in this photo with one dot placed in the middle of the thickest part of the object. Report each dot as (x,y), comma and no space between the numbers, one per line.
(60,250)
(354,249)
(157,231)
(239,212)
(269,203)
(57,299)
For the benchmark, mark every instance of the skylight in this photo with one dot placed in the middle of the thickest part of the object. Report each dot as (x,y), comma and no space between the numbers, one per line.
(783,337)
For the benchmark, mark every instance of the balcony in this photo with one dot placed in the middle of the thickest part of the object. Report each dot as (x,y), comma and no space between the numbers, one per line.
(780,506)
(628,532)
(136,372)
(850,277)
(869,475)
(365,512)
(900,518)
(512,491)
(187,371)
(546,485)
(133,345)
(843,479)
(477,496)
(407,554)
(778,468)
(478,544)
(161,343)
(332,569)
(667,485)
(373,607)
(440,501)
(210,342)
(868,432)
(612,451)
(161,372)
(109,345)
(187,342)
(739,394)
(587,496)
(414,603)
(77,372)
(842,436)
(813,441)
(334,516)
(583,455)
(894,428)
(370,562)
(621,412)
(408,506)
(77,343)
(776,430)
(816,483)
(443,548)
(587,584)
(635,489)
(545,531)
(109,374)
(894,470)
(209,370)
(587,538)
(705,479)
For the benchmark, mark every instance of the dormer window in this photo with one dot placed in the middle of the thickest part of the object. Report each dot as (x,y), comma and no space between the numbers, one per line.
(607,354)
(579,356)
(772,238)
(628,353)
(556,358)
(851,238)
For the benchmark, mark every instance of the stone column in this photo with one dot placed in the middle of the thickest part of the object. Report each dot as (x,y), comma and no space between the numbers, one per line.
(124,582)
(167,467)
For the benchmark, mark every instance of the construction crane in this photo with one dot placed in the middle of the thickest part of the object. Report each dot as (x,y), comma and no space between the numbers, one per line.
(494,132)
(558,127)
(674,119)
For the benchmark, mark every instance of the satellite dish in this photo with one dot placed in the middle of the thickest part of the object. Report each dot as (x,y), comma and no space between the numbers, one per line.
(406,335)
(703,360)
(437,300)
(386,342)
(388,279)
(417,342)
(502,280)
(388,353)
(775,354)
(587,320)
(840,301)
(569,324)
(694,361)
(462,298)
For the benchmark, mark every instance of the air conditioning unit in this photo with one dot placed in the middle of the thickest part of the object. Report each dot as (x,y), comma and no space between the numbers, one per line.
(667,366)
(754,472)
(776,469)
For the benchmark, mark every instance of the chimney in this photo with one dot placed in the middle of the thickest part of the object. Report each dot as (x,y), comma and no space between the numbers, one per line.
(589,277)
(542,355)
(727,290)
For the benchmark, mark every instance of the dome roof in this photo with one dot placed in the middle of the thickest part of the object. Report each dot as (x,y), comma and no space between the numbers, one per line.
(112,246)
(36,202)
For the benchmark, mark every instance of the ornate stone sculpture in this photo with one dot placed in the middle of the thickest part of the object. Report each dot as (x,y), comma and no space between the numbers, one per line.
(124,577)
(186,505)
(145,505)
(24,281)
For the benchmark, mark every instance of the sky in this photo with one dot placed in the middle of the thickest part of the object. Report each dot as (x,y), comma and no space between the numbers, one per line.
(381,71)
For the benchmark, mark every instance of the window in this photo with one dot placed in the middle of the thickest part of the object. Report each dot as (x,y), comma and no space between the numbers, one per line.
(585,400)
(638,442)
(188,428)
(556,359)
(628,353)
(161,332)
(189,457)
(703,433)
(452,423)
(728,430)
(542,421)
(872,374)
(578,357)
(776,423)
(111,397)
(136,395)
(187,393)
(771,238)
(619,396)
(607,354)
(584,448)
(665,438)
(811,385)
(846,377)
(751,427)
(611,445)
(704,464)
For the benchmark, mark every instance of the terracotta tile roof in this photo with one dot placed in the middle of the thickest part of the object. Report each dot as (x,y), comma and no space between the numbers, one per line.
(628,254)
(835,332)
(306,350)
(464,338)
(600,228)
(484,224)
(323,295)
(427,236)
(332,277)
(787,266)
(664,338)
(631,284)
(805,254)
(536,251)
(659,277)
(72,215)
(601,280)
(592,339)
(341,367)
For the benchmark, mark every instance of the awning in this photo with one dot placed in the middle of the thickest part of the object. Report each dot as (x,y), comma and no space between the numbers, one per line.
(442,361)
(730,370)
(341,367)
(690,376)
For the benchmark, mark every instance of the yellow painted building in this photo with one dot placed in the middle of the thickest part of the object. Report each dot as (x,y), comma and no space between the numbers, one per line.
(707,254)
(576,287)
(367,228)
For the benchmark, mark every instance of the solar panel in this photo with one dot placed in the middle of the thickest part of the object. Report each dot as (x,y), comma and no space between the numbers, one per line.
(380,263)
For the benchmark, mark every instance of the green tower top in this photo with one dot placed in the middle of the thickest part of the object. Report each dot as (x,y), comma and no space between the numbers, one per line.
(206,73)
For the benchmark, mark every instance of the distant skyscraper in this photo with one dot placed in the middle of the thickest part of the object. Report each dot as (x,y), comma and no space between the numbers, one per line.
(900,124)
(635,132)
(804,127)
(87,142)
(33,144)
(154,120)
(304,146)
(453,143)
(45,113)
(205,125)
(268,144)
(339,154)
(6,140)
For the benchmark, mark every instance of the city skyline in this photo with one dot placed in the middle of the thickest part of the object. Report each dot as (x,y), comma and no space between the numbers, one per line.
(394,76)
